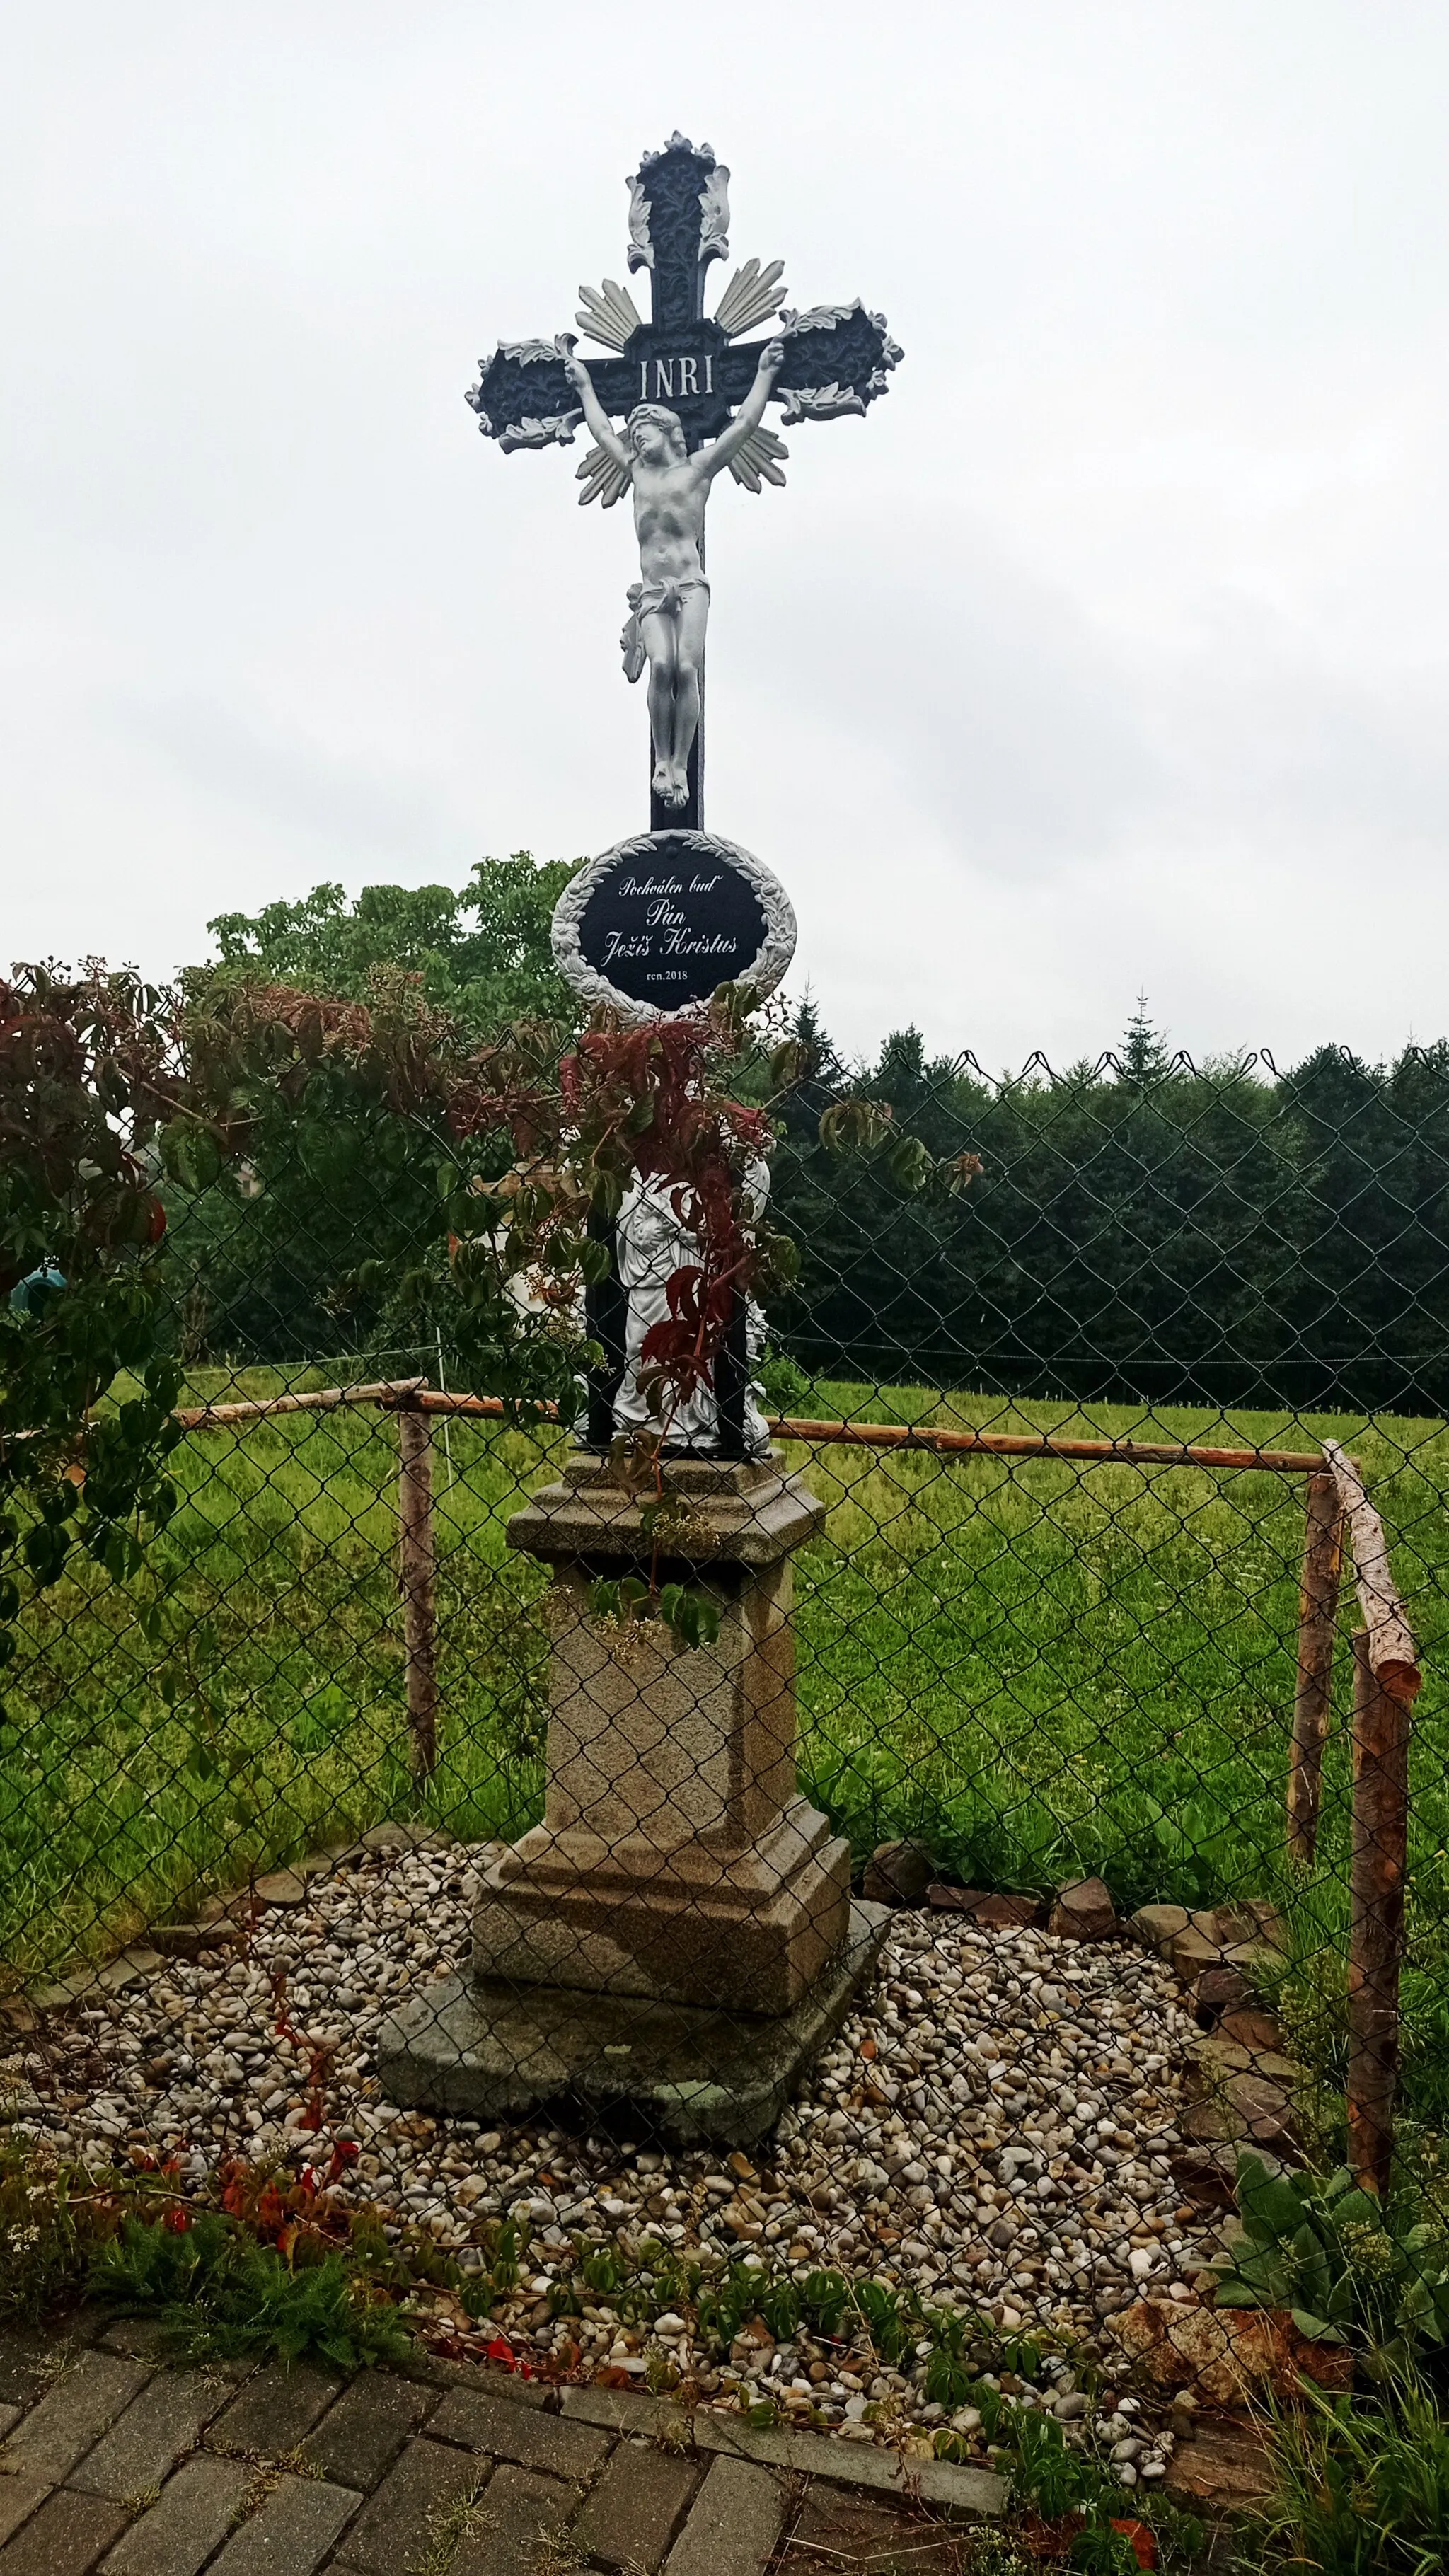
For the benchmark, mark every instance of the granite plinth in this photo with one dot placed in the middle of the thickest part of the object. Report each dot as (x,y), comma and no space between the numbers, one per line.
(676,1860)
(486,2050)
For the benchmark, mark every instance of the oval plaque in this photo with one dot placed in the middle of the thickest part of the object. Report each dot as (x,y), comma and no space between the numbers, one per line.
(660,922)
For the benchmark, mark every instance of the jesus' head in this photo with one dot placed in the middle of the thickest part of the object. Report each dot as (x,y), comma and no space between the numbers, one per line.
(655,435)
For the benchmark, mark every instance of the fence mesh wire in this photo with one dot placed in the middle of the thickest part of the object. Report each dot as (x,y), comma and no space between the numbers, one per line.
(260,1797)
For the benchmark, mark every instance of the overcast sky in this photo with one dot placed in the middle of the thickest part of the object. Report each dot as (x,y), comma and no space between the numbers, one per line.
(1107,654)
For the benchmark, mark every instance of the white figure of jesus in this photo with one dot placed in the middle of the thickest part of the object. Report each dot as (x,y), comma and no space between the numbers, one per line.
(669,604)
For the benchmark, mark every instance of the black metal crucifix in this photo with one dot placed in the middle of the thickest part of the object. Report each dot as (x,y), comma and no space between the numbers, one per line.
(837,356)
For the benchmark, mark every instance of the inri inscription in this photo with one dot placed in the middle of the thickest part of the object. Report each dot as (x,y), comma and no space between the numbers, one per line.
(659,923)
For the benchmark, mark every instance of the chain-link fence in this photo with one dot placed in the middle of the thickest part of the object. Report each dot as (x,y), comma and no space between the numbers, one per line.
(1043,1806)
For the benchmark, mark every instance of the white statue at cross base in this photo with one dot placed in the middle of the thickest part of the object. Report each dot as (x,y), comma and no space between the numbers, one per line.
(669,604)
(652,1245)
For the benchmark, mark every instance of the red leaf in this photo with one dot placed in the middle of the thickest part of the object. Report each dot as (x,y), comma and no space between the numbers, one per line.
(1144,2545)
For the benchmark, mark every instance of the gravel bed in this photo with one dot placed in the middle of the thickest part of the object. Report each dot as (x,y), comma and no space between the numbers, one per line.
(992,2128)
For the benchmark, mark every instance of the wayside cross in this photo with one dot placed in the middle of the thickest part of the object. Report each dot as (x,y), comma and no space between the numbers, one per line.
(692,398)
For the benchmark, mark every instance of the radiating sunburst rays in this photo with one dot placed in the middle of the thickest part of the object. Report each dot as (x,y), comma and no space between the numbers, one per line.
(752,295)
(760,459)
(608,314)
(603,478)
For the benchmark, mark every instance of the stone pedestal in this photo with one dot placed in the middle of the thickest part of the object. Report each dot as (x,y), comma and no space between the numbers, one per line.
(678,1887)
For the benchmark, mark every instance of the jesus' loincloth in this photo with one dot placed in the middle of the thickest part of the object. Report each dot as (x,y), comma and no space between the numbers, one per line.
(651,599)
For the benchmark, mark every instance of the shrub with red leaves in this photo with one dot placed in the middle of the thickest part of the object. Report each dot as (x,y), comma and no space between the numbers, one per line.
(90,1072)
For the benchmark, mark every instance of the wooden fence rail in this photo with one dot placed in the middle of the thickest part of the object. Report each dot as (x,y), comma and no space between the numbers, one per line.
(857,1435)
(321,1399)
(1378,1875)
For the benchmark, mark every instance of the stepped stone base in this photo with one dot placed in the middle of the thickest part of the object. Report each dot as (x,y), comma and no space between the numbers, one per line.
(747,1931)
(488,2050)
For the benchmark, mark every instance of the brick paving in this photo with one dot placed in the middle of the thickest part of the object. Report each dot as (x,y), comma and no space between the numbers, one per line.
(275,2410)
(113,2465)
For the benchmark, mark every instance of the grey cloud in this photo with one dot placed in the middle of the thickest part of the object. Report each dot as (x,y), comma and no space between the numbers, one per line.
(311,795)
(1009,721)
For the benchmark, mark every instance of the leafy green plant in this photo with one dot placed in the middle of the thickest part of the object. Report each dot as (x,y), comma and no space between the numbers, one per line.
(825,2296)
(47,2238)
(1362,2488)
(950,2380)
(1045,2472)
(217,2293)
(729,2303)
(782,2308)
(1103,2547)
(1348,2266)
(89,1076)
(893,2322)
(1076,2498)
(602,2270)
(690,1616)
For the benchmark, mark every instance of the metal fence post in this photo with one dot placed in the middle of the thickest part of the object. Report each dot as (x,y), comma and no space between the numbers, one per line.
(1381,1724)
(416,1566)
(1317,1627)
(732,1382)
(606,1321)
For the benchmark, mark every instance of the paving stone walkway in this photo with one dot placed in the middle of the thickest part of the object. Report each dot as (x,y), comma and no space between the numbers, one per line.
(110,2462)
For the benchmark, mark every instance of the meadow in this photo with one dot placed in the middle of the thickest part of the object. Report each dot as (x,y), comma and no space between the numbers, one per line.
(1040,1668)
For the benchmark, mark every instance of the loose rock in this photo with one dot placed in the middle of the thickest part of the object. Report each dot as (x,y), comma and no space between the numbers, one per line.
(992,2128)
(1226,2355)
(1084,1911)
(898,1873)
(1003,1913)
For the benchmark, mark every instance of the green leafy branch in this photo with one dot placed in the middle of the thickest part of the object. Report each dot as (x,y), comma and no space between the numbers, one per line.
(1348,2266)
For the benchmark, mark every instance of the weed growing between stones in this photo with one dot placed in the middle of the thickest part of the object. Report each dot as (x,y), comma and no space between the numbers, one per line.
(1363,2485)
(1349,2267)
(49,2227)
(218,2288)
(217,2295)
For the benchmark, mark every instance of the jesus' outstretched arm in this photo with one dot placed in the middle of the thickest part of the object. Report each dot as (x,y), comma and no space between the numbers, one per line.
(751,411)
(594,413)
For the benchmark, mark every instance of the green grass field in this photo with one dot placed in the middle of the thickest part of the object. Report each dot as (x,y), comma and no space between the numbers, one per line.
(1039,1667)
